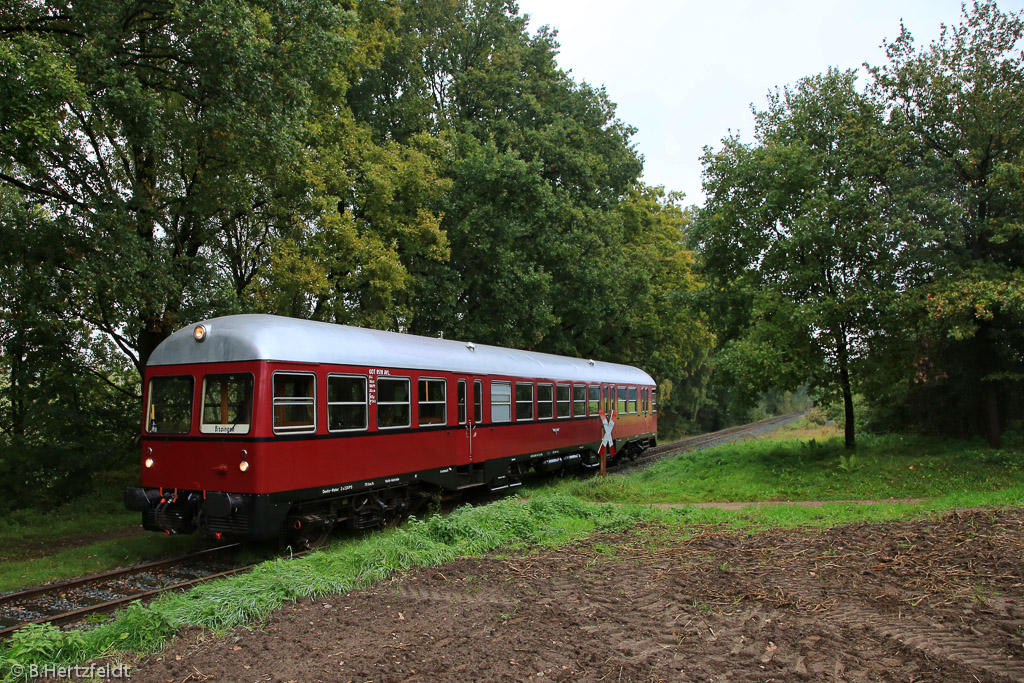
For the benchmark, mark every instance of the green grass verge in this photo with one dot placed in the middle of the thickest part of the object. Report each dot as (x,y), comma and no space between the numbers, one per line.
(789,469)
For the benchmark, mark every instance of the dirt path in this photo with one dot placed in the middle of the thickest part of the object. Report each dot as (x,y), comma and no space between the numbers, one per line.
(935,600)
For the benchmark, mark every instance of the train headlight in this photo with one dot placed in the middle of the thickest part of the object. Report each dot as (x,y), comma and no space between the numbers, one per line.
(148,463)
(199,333)
(244,466)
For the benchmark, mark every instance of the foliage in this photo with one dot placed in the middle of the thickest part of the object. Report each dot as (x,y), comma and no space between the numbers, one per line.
(42,644)
(555,244)
(957,105)
(870,241)
(798,225)
(417,166)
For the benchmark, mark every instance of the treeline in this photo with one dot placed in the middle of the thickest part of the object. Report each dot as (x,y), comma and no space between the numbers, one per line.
(421,166)
(425,166)
(870,241)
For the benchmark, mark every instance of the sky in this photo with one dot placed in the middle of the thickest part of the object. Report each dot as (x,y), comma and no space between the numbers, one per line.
(684,73)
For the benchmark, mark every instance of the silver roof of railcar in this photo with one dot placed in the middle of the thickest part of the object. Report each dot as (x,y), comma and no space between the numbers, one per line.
(271,337)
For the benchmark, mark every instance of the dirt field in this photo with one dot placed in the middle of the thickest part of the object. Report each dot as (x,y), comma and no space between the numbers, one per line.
(939,600)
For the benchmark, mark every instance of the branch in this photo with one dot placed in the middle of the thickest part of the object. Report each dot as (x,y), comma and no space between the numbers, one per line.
(40,191)
(107,380)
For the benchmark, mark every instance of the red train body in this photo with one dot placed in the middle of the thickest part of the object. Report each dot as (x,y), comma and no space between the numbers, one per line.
(260,426)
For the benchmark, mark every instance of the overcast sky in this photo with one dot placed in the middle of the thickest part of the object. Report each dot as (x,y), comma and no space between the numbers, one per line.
(685,72)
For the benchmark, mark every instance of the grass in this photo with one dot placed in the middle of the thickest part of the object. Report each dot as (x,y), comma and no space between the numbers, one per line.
(948,475)
(28,539)
(23,531)
(781,469)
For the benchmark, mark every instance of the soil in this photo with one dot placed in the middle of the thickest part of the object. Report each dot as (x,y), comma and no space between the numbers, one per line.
(935,600)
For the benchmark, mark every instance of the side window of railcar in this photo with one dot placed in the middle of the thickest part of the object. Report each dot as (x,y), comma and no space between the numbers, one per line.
(501,401)
(622,400)
(170,405)
(654,402)
(524,401)
(564,400)
(461,401)
(478,401)
(632,399)
(545,401)
(227,404)
(594,399)
(393,402)
(346,403)
(579,400)
(294,401)
(432,401)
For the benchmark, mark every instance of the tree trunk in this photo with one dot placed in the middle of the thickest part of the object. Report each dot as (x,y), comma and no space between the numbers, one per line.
(842,354)
(987,362)
(993,425)
(850,438)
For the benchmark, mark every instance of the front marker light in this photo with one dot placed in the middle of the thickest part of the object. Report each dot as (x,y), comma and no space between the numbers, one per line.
(149,463)
(244,466)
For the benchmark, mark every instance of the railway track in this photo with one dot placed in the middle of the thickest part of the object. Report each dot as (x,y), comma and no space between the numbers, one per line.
(696,443)
(76,599)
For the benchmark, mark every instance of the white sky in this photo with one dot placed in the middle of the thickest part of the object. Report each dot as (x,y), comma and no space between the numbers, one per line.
(685,72)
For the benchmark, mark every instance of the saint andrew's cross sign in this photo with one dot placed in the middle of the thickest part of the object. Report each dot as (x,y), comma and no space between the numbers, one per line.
(608,423)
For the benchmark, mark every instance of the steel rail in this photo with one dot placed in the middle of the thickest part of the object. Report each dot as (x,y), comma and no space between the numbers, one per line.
(32,594)
(694,442)
(15,596)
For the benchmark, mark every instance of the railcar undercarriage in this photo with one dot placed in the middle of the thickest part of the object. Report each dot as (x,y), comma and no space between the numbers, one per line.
(308,521)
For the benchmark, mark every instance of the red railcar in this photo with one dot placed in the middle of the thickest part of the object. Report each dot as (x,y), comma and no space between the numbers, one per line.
(257,426)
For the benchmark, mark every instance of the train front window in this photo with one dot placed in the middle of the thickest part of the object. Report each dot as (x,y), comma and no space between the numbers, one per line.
(170,405)
(227,404)
(294,402)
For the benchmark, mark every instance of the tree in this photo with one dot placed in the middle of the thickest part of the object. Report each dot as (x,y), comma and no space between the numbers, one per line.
(160,137)
(555,244)
(800,229)
(960,103)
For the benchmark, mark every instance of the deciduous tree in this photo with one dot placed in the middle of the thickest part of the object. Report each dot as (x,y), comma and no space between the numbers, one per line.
(960,103)
(799,225)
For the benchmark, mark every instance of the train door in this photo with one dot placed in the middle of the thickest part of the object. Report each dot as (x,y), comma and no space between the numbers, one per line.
(469,411)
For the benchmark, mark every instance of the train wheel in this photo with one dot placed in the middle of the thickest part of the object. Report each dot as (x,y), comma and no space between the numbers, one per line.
(306,532)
